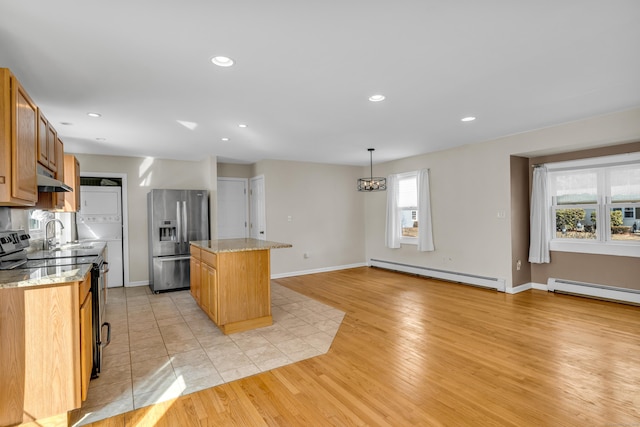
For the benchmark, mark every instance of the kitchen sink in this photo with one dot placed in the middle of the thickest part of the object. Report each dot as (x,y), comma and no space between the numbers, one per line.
(69,246)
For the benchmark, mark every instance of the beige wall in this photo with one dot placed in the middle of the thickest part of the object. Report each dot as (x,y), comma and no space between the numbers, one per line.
(326,214)
(144,174)
(232,170)
(470,184)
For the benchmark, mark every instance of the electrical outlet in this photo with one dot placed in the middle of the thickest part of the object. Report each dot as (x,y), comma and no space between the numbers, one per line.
(518,265)
(502,214)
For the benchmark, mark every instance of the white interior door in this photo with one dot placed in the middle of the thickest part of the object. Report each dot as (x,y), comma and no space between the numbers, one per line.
(233,208)
(258,223)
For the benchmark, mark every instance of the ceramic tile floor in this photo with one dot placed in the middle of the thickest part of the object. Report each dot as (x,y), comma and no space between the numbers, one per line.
(163,346)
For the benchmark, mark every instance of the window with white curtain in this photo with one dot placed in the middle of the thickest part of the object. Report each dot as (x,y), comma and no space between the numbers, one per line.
(595,205)
(409,211)
(408,207)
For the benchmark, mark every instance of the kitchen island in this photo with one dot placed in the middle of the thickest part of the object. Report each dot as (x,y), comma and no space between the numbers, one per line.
(231,281)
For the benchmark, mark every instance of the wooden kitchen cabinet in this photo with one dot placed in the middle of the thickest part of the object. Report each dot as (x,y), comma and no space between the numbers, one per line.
(203,282)
(18,143)
(46,357)
(210,283)
(72,179)
(194,272)
(59,197)
(47,137)
(86,337)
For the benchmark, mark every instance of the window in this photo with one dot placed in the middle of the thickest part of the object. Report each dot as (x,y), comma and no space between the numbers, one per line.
(408,206)
(594,205)
(37,220)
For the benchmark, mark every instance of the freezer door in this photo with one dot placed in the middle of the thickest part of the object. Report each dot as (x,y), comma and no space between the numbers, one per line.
(170,273)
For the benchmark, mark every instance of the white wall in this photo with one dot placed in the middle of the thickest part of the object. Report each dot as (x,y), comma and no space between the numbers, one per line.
(143,174)
(327,215)
(470,184)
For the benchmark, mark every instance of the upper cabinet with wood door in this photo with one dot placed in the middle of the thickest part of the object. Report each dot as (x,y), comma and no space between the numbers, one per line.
(47,137)
(72,179)
(18,143)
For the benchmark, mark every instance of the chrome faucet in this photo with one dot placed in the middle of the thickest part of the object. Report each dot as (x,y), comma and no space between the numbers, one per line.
(48,241)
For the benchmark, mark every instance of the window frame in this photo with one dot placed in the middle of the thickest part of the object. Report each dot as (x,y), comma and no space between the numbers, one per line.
(405,240)
(603,244)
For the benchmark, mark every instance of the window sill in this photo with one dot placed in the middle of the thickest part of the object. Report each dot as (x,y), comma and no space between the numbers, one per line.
(409,241)
(616,249)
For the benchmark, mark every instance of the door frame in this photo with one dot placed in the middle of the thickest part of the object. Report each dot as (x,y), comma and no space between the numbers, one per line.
(125,218)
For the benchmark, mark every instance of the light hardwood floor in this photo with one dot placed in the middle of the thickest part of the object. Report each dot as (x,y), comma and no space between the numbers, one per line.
(414,351)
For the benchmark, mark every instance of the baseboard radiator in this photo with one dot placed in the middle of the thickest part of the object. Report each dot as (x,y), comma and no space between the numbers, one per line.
(594,290)
(452,276)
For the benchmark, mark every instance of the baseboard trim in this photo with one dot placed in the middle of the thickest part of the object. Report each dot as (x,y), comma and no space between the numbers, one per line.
(519,288)
(526,287)
(136,284)
(540,286)
(318,270)
(452,276)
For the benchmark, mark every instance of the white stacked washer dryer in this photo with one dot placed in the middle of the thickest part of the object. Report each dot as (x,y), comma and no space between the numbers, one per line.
(100,220)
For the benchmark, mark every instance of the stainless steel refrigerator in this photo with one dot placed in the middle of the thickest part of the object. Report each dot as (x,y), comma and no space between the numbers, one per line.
(176,217)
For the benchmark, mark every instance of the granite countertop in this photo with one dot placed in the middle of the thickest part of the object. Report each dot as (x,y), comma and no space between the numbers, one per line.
(53,274)
(238,245)
(42,276)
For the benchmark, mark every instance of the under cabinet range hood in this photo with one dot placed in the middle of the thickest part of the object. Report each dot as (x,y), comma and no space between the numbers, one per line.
(48,184)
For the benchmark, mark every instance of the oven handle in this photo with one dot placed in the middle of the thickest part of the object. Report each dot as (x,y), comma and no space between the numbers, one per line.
(108,325)
(105,268)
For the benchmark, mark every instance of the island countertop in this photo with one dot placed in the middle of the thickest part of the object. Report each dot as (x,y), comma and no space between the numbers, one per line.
(237,245)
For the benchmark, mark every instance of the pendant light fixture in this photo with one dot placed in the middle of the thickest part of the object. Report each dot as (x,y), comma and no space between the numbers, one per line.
(372,183)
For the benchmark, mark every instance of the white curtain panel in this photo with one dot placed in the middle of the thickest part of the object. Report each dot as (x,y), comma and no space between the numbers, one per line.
(391,239)
(540,211)
(425,228)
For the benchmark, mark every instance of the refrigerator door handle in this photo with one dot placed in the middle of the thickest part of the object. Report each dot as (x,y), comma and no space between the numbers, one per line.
(185,224)
(179,221)
(173,258)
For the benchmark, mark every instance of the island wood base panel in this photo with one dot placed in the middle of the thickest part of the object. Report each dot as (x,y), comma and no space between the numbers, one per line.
(245,325)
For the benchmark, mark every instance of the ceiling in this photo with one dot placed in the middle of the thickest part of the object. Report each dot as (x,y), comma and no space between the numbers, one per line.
(304,71)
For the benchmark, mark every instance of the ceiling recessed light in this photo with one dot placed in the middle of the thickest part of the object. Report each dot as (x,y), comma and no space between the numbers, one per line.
(66,123)
(94,114)
(376,98)
(224,139)
(222,61)
(468,119)
(242,125)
